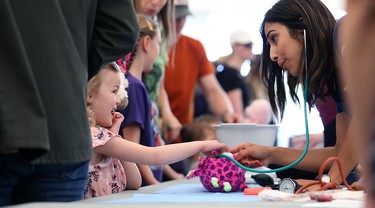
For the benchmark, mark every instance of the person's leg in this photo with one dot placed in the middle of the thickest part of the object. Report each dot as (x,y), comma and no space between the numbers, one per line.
(59,183)
(13,167)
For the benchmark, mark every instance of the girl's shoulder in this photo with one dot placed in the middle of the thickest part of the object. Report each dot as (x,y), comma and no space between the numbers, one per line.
(100,135)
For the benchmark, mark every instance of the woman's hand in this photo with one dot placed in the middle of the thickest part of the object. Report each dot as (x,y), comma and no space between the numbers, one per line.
(171,128)
(304,182)
(252,155)
(232,118)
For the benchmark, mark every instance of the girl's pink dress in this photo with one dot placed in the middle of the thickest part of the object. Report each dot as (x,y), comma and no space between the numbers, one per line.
(107,176)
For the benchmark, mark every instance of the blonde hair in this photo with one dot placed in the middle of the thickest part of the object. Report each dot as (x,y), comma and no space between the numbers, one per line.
(96,81)
(147,27)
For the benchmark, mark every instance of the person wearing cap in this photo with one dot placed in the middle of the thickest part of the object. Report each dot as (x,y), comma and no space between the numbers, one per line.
(188,65)
(228,70)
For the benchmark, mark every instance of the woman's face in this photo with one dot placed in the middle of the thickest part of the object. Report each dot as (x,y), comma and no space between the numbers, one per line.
(150,7)
(284,49)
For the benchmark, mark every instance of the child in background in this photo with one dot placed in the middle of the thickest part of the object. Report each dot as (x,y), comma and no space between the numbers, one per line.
(140,125)
(258,112)
(112,167)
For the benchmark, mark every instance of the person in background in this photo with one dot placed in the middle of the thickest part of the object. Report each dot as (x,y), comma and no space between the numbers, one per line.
(187,66)
(161,11)
(228,71)
(258,112)
(358,32)
(112,168)
(47,54)
(200,130)
(253,79)
(137,125)
(286,26)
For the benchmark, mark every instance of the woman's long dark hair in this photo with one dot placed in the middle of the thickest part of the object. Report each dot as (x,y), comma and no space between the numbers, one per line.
(318,22)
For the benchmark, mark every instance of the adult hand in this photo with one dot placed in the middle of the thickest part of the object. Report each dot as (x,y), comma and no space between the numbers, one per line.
(171,128)
(252,155)
(232,118)
(304,182)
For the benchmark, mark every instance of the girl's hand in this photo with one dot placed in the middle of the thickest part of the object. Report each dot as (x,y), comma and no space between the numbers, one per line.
(116,122)
(209,146)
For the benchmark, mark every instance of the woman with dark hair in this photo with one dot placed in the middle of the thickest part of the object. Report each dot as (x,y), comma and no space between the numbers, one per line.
(300,40)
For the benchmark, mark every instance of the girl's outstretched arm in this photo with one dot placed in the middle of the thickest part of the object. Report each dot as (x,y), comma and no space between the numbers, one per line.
(125,150)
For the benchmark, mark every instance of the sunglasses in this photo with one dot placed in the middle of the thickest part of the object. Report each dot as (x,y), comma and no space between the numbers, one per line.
(249,45)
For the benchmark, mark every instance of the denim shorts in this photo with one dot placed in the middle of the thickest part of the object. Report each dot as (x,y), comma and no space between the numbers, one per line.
(22,182)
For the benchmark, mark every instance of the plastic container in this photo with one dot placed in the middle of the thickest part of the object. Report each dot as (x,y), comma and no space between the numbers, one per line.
(233,134)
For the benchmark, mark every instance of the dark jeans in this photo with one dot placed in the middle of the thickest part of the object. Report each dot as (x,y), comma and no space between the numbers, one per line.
(22,182)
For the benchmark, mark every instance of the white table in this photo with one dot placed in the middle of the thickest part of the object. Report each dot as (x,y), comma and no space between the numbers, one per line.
(159,195)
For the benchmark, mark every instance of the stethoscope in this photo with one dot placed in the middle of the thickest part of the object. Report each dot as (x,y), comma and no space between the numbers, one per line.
(306,126)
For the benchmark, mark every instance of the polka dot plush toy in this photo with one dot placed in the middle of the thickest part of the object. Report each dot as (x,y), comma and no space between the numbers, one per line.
(219,174)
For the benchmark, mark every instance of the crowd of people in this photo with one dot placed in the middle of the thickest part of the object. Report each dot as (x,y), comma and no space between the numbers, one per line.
(122,78)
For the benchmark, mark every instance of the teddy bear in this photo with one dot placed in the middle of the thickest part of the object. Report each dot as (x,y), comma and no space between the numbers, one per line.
(219,174)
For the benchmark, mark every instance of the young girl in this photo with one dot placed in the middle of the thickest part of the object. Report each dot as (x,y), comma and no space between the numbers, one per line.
(161,11)
(112,169)
(139,123)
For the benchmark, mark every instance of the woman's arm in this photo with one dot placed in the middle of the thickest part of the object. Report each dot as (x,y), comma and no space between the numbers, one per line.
(171,126)
(235,97)
(344,149)
(216,97)
(349,153)
(248,153)
(218,100)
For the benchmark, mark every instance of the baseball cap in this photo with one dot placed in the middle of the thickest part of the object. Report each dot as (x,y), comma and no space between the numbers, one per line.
(182,8)
(240,37)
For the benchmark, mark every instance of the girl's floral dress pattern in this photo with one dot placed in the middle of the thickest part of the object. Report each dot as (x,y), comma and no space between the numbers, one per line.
(107,176)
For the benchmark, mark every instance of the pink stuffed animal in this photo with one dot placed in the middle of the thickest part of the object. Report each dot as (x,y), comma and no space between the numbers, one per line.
(219,174)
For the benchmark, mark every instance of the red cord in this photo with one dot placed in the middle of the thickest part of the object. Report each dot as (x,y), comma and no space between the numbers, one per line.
(324,185)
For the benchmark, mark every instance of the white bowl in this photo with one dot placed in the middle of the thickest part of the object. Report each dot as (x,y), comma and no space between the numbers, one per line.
(233,134)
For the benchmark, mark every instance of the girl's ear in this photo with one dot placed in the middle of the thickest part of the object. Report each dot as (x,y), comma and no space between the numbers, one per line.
(145,41)
(90,98)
